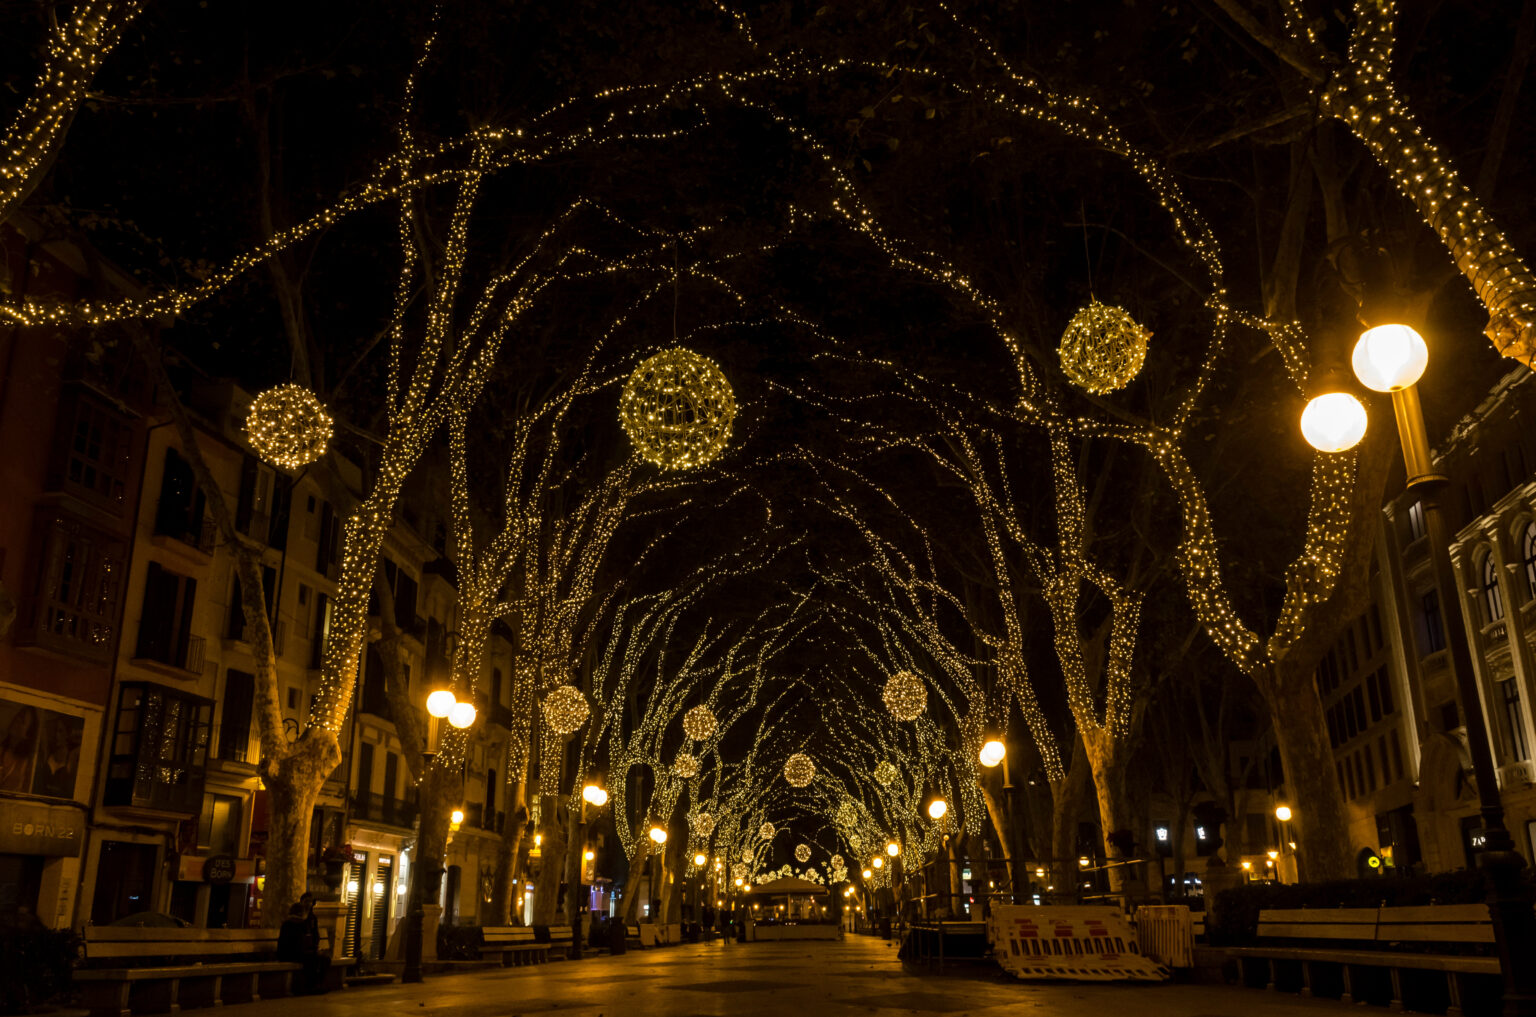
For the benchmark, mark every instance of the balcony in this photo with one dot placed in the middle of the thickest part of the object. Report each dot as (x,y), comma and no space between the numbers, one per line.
(377,808)
(183,662)
(175,526)
(158,751)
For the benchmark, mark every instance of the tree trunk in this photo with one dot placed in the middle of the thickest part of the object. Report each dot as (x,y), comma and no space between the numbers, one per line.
(504,892)
(293,784)
(575,845)
(676,864)
(637,866)
(546,887)
(1301,731)
(1067,797)
(1004,830)
(1108,765)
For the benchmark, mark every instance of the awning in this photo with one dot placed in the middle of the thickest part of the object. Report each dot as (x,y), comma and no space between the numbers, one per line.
(792,886)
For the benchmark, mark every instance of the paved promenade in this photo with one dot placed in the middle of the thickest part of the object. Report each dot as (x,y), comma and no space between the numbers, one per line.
(857,976)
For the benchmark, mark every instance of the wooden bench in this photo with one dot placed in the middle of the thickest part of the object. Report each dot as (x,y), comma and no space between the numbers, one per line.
(1456,923)
(131,969)
(560,938)
(515,943)
(932,943)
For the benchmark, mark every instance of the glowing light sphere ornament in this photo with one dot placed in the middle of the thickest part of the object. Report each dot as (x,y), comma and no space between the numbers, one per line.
(1103,348)
(677,408)
(288,427)
(703,824)
(803,853)
(836,861)
(699,723)
(905,695)
(885,773)
(566,709)
(686,765)
(766,831)
(799,770)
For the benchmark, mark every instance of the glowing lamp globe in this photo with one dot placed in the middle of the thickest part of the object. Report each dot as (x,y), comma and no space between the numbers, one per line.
(1334,422)
(594,795)
(866,873)
(1389,357)
(677,408)
(738,880)
(937,810)
(288,427)
(457,816)
(893,849)
(878,863)
(992,753)
(658,835)
(1283,813)
(440,703)
(462,715)
(699,860)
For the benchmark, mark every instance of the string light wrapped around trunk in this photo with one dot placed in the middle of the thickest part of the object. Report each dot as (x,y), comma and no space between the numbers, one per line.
(288,427)
(905,695)
(1103,348)
(566,709)
(686,765)
(803,853)
(886,773)
(799,770)
(699,723)
(677,407)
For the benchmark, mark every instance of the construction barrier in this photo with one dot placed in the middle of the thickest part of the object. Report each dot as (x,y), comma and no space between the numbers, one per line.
(1166,933)
(1084,943)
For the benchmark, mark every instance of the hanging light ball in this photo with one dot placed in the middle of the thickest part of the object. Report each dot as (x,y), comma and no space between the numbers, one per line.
(677,408)
(703,824)
(288,427)
(566,709)
(905,695)
(1103,348)
(738,872)
(766,831)
(803,853)
(836,861)
(686,765)
(699,723)
(746,854)
(886,772)
(847,813)
(799,770)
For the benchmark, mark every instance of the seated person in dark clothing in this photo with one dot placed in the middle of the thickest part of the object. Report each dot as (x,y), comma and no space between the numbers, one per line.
(296,944)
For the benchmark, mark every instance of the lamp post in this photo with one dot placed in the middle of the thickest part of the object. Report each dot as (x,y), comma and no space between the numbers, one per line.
(441,705)
(1391,358)
(659,838)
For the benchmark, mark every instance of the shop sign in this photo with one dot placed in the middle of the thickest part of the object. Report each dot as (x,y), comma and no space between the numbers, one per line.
(41,830)
(219,869)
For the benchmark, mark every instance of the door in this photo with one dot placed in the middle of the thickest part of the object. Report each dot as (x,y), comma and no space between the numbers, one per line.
(125,881)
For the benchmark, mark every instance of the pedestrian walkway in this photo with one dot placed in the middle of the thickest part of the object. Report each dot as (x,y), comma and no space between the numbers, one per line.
(856,976)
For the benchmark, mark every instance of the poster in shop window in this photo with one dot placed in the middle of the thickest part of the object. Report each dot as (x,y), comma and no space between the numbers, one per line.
(39,750)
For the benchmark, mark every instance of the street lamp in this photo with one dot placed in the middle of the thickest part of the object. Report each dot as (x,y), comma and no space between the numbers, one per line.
(442,705)
(1334,422)
(1391,358)
(594,795)
(992,753)
(936,810)
(893,849)
(1283,813)
(878,863)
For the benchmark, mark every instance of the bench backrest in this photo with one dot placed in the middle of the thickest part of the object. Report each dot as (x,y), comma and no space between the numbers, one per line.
(1318,923)
(503,935)
(128,942)
(1436,923)
(559,933)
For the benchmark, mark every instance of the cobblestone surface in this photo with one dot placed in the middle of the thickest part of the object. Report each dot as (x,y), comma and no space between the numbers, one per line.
(855,976)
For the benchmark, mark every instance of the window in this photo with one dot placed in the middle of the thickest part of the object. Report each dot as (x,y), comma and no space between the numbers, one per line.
(179,513)
(1493,600)
(1373,697)
(1397,753)
(218,829)
(235,724)
(1359,698)
(322,632)
(79,588)
(1510,690)
(403,587)
(1381,752)
(165,626)
(301,619)
(1528,555)
(1433,630)
(1384,684)
(329,540)
(495,686)
(1376,626)
(159,750)
(236,626)
(93,444)
(293,698)
(1416,521)
(1354,653)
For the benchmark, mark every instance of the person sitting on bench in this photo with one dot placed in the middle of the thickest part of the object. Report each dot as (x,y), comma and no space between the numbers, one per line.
(298,944)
